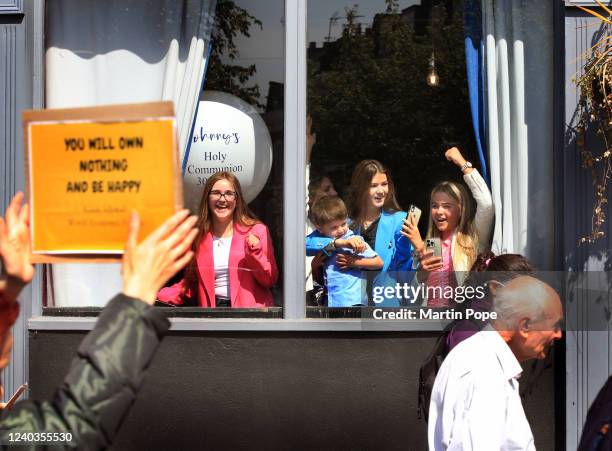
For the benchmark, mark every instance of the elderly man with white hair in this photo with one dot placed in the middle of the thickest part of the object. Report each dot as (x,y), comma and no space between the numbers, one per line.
(475,403)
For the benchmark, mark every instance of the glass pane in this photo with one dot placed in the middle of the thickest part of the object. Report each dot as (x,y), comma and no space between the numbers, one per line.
(387,82)
(239,130)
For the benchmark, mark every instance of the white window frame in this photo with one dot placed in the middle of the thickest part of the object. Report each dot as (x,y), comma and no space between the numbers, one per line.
(585,3)
(294,183)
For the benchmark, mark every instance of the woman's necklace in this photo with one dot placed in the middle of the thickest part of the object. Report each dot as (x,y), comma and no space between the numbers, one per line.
(222,241)
(225,237)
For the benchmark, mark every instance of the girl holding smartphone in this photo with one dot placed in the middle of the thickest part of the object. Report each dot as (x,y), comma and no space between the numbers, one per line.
(462,235)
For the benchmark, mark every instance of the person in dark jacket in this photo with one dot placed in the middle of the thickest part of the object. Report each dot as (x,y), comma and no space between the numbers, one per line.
(105,376)
(596,435)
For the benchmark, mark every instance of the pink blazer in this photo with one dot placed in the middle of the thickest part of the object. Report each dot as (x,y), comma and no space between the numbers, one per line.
(251,272)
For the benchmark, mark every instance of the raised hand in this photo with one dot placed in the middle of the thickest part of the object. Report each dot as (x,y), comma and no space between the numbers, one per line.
(147,266)
(454,154)
(15,247)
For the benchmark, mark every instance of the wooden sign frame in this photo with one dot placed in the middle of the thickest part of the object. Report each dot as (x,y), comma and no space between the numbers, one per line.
(112,114)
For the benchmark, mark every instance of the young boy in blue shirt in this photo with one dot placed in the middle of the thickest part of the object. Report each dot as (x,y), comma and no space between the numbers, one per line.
(348,254)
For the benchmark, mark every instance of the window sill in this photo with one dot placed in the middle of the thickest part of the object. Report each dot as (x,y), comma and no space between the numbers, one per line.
(365,313)
(203,324)
(173,312)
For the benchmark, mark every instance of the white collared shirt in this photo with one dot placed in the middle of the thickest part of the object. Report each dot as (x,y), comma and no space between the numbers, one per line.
(475,403)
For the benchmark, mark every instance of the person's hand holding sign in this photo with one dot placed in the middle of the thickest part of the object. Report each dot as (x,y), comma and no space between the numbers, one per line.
(17,271)
(149,265)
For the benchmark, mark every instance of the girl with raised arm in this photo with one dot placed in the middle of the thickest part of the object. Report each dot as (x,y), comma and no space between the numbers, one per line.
(462,234)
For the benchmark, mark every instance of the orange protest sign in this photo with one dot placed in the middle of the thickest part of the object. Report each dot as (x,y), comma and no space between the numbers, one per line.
(88,168)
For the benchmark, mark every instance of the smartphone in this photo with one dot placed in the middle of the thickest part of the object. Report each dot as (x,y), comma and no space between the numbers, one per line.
(16,396)
(416,213)
(434,244)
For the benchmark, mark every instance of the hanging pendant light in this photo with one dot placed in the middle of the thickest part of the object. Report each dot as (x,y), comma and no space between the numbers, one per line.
(432,75)
(433,79)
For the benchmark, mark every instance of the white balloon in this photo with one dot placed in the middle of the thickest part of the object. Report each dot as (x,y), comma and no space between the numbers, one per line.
(229,135)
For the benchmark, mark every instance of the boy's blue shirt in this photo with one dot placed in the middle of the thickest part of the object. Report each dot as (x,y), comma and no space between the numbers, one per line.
(394,248)
(345,287)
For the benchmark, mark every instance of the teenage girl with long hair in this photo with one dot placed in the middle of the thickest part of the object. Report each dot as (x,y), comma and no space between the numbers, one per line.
(463,233)
(376,216)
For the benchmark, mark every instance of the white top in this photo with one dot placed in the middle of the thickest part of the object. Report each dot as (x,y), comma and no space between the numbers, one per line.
(475,403)
(221,252)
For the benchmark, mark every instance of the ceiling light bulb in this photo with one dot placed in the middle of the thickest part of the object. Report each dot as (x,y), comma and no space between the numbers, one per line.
(432,78)
(432,75)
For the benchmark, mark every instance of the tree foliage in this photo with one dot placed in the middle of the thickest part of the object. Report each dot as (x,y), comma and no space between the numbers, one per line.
(368,97)
(223,75)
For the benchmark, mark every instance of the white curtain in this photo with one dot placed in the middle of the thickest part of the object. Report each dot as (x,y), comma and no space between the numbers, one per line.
(122,51)
(518,39)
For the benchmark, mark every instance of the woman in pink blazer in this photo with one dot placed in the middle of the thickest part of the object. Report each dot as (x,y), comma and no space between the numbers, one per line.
(233,263)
